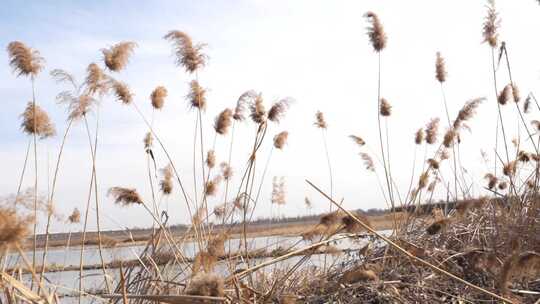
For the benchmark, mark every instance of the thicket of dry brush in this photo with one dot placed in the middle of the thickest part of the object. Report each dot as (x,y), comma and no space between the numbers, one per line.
(467,250)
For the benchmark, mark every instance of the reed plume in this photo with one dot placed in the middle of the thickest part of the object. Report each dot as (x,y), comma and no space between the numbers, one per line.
(376,33)
(223,121)
(244,99)
(515,93)
(13,228)
(440,68)
(422,181)
(320,122)
(433,163)
(491,24)
(122,92)
(148,141)
(449,137)
(188,55)
(468,111)
(96,80)
(61,76)
(125,196)
(278,191)
(523,156)
(166,184)
(226,171)
(503,185)
(278,109)
(211,186)
(505,94)
(74,217)
(158,97)
(419,136)
(527,105)
(36,121)
(78,106)
(211,159)
(368,162)
(385,108)
(492,180)
(197,95)
(509,169)
(432,130)
(357,140)
(24,61)
(258,111)
(281,139)
(116,57)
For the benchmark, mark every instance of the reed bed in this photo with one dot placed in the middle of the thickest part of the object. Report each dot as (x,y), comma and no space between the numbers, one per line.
(464,249)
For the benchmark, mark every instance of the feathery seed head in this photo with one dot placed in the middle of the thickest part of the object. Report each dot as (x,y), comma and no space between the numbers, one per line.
(13,228)
(319,120)
(385,108)
(419,136)
(116,57)
(357,140)
(36,121)
(148,141)
(212,186)
(24,60)
(122,92)
(96,81)
(258,111)
(278,109)
(467,112)
(75,216)
(281,139)
(515,93)
(226,171)
(368,162)
(375,32)
(491,24)
(244,99)
(440,68)
(166,184)
(504,95)
(432,129)
(509,169)
(124,196)
(211,159)
(188,55)
(223,121)
(196,96)
(433,163)
(449,137)
(158,97)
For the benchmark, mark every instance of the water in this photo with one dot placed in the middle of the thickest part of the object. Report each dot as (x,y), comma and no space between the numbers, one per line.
(67,282)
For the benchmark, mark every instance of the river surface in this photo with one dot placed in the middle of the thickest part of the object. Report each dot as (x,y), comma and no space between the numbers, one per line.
(67,282)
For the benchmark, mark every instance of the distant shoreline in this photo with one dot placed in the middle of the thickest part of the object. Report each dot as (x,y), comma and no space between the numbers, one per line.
(138,236)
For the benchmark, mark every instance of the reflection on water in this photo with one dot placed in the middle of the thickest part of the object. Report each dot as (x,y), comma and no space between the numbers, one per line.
(68,281)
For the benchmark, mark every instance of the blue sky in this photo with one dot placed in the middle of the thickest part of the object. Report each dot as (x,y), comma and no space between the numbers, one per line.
(314,51)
